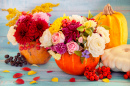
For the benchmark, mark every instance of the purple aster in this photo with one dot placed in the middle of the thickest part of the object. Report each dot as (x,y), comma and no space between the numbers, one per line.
(71,32)
(60,48)
(85,54)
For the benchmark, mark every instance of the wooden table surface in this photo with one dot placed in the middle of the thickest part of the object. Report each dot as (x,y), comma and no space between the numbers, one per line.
(7,79)
(70,7)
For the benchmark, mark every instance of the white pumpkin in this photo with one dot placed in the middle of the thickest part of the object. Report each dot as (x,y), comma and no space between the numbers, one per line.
(117,58)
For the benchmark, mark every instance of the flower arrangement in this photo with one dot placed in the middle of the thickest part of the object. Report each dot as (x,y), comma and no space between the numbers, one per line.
(76,34)
(28,27)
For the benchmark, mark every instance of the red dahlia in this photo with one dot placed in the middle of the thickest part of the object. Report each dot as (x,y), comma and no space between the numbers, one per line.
(22,35)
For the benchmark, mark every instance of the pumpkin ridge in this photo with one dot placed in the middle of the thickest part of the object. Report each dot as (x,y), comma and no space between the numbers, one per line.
(73,62)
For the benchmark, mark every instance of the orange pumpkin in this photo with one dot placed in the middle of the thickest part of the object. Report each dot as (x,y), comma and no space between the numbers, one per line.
(71,64)
(34,56)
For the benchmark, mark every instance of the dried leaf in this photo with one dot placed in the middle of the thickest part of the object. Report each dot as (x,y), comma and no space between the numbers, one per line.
(32,82)
(6,71)
(26,69)
(72,80)
(106,80)
(35,65)
(49,71)
(55,79)
(17,75)
(32,72)
(19,81)
(36,78)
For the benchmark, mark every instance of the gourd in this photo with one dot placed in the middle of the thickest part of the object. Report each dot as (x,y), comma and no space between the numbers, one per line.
(117,58)
(34,56)
(117,23)
(71,64)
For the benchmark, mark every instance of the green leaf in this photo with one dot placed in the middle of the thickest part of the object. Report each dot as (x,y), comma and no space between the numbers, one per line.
(90,15)
(88,31)
(82,59)
(106,27)
(81,28)
(78,53)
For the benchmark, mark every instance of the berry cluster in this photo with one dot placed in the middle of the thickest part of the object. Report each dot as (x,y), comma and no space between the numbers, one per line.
(127,75)
(25,47)
(104,72)
(65,23)
(17,60)
(92,74)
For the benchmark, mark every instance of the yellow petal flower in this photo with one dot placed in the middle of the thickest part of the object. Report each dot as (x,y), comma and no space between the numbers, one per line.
(55,56)
(55,79)
(6,71)
(32,72)
(106,80)
(32,82)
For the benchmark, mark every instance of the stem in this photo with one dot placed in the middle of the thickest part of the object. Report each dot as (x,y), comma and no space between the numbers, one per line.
(108,10)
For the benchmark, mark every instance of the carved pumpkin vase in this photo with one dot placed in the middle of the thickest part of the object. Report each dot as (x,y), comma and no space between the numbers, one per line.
(34,54)
(71,64)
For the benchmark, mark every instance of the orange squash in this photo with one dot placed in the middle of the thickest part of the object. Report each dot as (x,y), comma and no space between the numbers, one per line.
(118,24)
(71,64)
(34,56)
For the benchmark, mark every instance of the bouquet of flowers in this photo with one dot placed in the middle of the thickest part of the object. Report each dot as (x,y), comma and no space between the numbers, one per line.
(77,34)
(27,28)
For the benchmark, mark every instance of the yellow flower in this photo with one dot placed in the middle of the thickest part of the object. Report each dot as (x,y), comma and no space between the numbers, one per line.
(56,25)
(90,23)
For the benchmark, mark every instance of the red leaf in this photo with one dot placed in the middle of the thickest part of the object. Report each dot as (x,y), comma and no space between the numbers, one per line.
(49,71)
(17,75)
(19,81)
(72,80)
(26,68)
(36,78)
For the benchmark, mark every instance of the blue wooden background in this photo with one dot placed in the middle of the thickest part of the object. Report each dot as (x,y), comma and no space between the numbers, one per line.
(80,7)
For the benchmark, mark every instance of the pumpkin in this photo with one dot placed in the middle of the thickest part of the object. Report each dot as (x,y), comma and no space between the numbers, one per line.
(117,58)
(71,64)
(34,56)
(117,23)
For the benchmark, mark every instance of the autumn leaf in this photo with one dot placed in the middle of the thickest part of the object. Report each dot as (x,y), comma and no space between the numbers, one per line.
(19,81)
(106,80)
(6,71)
(72,80)
(17,75)
(55,79)
(32,72)
(36,78)
(49,71)
(32,82)
(26,69)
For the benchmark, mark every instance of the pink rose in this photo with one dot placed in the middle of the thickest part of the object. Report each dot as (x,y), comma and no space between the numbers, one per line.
(58,37)
(80,40)
(72,46)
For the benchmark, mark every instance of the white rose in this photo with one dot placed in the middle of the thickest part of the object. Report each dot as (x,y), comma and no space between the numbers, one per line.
(95,44)
(10,36)
(77,18)
(105,33)
(45,39)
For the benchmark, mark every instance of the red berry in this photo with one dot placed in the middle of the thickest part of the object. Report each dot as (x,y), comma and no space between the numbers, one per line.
(128,73)
(90,74)
(103,68)
(38,44)
(94,75)
(125,76)
(94,71)
(32,46)
(96,78)
(109,76)
(108,72)
(87,68)
(87,77)
(86,73)
(73,21)
(38,47)
(21,48)
(24,13)
(91,78)
(108,68)
(100,76)
(99,69)
(29,47)
(25,48)
(105,74)
(64,25)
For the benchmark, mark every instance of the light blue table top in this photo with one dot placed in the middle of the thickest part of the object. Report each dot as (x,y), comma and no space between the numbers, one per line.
(7,79)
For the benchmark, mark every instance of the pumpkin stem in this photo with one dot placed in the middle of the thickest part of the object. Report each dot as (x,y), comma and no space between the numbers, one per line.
(108,10)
